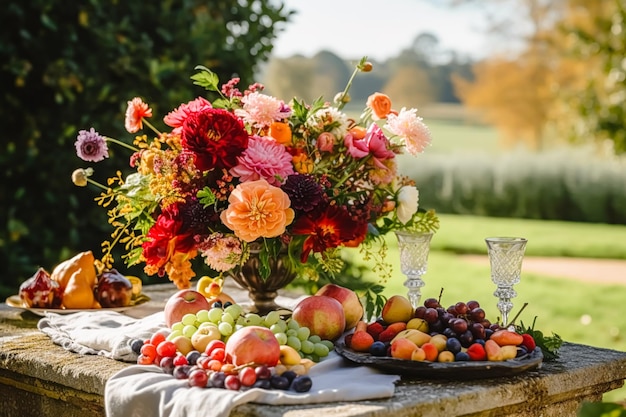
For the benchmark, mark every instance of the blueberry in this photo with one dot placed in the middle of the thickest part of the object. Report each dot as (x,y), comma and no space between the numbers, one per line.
(302,383)
(227,304)
(378,348)
(453,345)
(136,345)
(217,304)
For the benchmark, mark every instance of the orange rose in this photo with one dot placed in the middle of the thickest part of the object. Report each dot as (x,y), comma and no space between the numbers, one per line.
(281,132)
(358,132)
(380,104)
(257,209)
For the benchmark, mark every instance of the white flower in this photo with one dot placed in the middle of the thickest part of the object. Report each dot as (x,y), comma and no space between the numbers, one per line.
(408,199)
(329,116)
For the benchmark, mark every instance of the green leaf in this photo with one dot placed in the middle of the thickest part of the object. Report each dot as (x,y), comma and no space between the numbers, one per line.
(264,266)
(206,78)
(206,197)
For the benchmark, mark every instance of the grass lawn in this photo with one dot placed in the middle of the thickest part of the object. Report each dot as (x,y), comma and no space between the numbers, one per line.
(585,313)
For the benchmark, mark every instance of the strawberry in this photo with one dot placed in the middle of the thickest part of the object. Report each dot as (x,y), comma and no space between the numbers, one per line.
(375,329)
(477,352)
(528,342)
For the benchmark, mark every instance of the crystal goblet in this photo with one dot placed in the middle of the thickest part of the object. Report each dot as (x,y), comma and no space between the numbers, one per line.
(414,248)
(505,256)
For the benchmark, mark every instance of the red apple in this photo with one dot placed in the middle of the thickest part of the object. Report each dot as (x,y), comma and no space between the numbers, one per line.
(352,307)
(253,344)
(183,302)
(323,315)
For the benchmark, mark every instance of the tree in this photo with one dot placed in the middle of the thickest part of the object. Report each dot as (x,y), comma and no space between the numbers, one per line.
(66,66)
(598,101)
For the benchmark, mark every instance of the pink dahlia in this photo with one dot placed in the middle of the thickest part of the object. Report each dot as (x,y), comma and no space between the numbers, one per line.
(409,127)
(260,110)
(264,159)
(176,117)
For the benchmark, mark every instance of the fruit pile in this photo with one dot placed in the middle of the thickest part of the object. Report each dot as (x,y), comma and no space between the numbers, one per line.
(224,347)
(75,284)
(433,333)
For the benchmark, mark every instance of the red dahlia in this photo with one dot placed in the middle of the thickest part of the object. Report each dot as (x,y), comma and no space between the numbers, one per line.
(216,137)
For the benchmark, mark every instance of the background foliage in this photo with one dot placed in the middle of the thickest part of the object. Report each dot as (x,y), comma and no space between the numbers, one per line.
(66,66)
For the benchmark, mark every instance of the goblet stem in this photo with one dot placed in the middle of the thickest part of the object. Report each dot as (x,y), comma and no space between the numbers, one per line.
(414,283)
(505,305)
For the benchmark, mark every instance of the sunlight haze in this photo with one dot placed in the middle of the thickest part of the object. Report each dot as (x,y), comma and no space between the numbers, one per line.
(379,30)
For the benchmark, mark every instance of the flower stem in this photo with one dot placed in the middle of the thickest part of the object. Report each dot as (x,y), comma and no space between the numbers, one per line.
(151,126)
(97,184)
(125,145)
(349,84)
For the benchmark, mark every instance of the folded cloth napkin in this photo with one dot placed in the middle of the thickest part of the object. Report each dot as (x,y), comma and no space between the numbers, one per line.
(105,333)
(141,390)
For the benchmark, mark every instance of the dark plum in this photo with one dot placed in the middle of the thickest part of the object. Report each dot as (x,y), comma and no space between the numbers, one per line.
(302,383)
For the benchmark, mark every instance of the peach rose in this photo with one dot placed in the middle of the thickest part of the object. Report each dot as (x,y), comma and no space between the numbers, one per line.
(257,209)
(380,104)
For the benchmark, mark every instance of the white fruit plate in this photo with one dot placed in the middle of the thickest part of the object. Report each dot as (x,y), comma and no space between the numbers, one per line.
(446,370)
(16,302)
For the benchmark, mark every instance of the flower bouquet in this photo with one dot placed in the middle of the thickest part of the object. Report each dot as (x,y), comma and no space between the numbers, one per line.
(250,170)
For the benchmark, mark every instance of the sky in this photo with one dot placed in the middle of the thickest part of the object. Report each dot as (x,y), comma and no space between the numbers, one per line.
(379,29)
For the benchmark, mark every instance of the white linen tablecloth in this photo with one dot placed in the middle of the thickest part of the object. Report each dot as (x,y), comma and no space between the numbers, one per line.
(141,390)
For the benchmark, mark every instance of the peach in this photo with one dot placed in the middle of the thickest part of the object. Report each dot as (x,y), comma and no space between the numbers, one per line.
(352,307)
(402,349)
(445,356)
(508,352)
(431,351)
(493,351)
(397,308)
(361,341)
(440,341)
(418,355)
(505,337)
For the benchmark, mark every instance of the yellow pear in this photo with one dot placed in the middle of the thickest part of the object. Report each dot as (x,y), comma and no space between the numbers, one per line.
(64,271)
(78,293)
(416,336)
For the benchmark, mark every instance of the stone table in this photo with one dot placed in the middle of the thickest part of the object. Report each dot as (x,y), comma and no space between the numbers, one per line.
(39,378)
